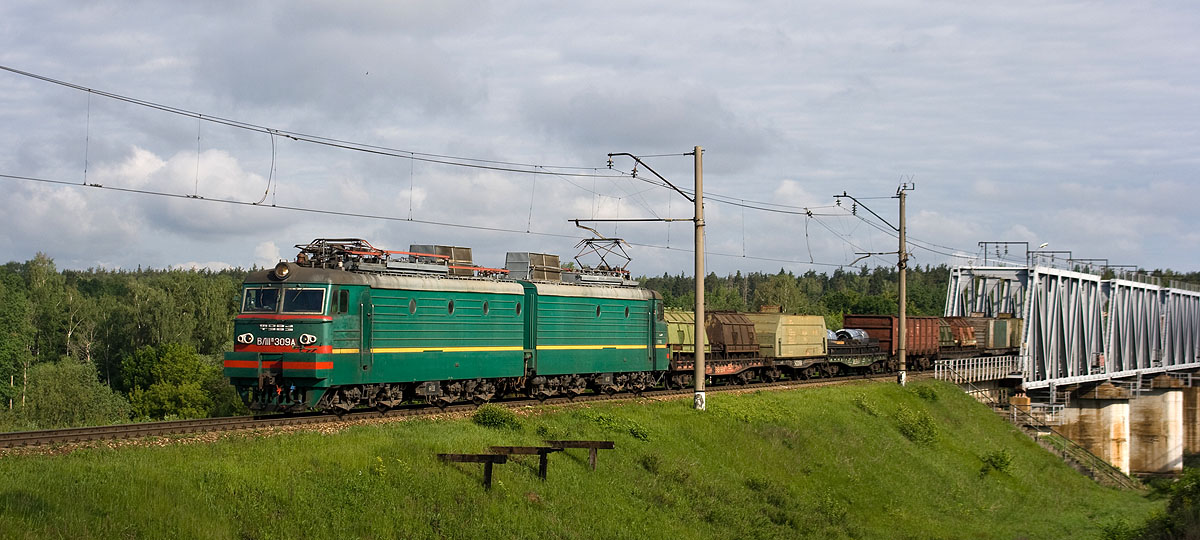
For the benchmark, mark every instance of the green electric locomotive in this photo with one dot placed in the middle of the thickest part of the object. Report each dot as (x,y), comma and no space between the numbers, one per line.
(347,325)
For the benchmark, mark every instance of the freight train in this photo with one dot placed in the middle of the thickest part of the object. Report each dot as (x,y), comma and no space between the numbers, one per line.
(348,325)
(742,347)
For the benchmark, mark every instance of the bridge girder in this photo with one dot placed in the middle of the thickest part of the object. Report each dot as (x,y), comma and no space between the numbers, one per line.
(1080,328)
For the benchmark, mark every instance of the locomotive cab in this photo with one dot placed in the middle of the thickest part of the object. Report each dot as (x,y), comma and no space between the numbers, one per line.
(282,340)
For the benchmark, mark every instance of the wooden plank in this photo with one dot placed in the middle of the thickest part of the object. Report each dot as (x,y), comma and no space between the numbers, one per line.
(602,445)
(543,453)
(486,459)
(474,458)
(523,450)
(592,447)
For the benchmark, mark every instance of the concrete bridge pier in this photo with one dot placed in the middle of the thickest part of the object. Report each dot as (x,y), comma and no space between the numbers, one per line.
(1191,420)
(1157,428)
(1099,420)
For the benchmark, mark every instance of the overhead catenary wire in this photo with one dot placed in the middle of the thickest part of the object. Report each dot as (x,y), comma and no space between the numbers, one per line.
(961,254)
(562,172)
(443,159)
(383,217)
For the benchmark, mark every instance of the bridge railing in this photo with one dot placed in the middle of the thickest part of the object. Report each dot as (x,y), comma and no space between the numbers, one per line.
(1040,419)
(1047,414)
(969,370)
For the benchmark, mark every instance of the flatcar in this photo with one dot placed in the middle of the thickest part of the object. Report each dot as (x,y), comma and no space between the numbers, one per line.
(791,346)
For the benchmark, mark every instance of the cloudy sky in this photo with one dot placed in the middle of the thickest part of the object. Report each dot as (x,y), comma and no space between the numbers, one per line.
(1072,123)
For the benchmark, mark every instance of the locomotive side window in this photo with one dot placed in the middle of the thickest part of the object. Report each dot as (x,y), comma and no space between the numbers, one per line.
(304,300)
(343,301)
(259,300)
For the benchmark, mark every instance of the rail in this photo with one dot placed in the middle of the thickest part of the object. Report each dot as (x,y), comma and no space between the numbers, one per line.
(1084,460)
(19,439)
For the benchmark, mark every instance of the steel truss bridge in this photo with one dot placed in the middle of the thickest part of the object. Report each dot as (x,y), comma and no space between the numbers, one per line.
(1080,328)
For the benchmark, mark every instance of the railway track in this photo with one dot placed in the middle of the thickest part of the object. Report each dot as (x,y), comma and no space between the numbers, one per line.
(19,439)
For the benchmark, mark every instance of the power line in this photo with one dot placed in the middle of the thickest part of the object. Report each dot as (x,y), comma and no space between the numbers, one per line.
(917,242)
(280,206)
(737,201)
(443,159)
(382,217)
(459,161)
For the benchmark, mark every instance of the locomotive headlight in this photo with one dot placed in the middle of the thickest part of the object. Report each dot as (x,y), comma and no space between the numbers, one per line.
(282,270)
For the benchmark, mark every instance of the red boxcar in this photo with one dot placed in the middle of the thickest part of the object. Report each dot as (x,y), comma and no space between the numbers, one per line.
(922,340)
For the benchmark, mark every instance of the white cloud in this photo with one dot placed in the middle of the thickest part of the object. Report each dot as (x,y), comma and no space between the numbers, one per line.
(1052,121)
(267,254)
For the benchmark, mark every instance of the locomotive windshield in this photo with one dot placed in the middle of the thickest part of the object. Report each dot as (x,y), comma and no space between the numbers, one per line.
(303,300)
(258,300)
(266,300)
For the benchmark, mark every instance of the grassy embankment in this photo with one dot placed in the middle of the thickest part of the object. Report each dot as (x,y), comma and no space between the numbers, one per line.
(864,461)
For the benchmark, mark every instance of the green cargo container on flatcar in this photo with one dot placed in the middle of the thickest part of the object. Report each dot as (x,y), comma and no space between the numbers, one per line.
(789,336)
(681,332)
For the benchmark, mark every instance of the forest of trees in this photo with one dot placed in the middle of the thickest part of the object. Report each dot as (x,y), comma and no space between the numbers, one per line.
(832,295)
(103,346)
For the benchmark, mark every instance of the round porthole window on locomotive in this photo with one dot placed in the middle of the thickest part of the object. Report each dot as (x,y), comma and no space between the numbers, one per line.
(450,307)
(412,306)
(597,311)
(518,308)
(485,307)
(626,312)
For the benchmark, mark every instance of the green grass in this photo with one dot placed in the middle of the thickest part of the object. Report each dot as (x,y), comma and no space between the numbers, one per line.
(819,463)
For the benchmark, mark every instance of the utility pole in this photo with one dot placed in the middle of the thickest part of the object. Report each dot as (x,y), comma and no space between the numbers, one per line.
(902,264)
(700,332)
(698,220)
